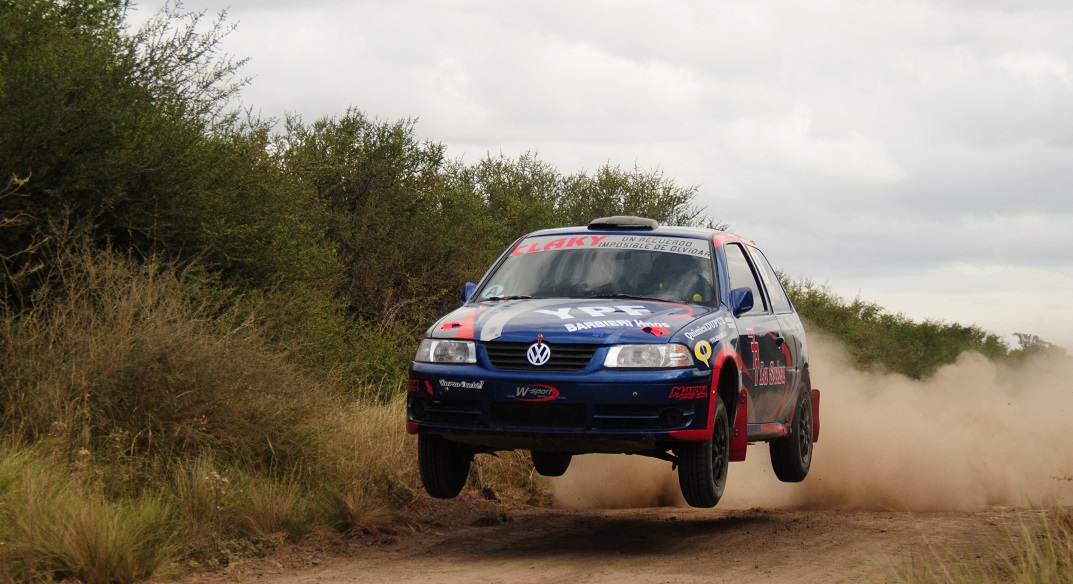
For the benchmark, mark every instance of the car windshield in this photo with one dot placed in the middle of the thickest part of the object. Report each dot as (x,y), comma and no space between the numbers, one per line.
(605,266)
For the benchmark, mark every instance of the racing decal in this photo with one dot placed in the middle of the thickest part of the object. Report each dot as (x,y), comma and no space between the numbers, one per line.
(492,291)
(704,328)
(493,328)
(658,331)
(641,324)
(596,311)
(703,352)
(414,386)
(679,245)
(550,243)
(428,386)
(568,313)
(688,392)
(754,348)
(771,374)
(449,384)
(536,392)
(463,329)
(693,247)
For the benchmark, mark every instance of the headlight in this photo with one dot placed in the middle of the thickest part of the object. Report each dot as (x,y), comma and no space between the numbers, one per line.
(648,356)
(446,351)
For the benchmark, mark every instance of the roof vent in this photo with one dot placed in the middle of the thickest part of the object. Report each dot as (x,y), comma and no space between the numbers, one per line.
(623,222)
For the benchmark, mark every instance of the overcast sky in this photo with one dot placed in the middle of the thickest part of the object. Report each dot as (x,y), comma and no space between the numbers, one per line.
(917,153)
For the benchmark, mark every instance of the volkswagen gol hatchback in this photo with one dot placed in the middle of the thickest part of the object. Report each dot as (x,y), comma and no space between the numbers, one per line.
(617,337)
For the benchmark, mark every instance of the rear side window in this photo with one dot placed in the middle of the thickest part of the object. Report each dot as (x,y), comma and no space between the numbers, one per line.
(779,301)
(742,276)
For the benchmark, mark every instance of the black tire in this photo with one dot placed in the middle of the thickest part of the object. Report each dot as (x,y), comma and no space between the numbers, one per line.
(791,456)
(703,466)
(550,464)
(444,465)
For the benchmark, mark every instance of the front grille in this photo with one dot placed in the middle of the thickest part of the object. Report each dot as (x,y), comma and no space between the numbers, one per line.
(537,415)
(564,357)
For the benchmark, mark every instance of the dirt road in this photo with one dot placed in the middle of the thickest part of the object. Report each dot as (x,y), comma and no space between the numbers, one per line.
(647,545)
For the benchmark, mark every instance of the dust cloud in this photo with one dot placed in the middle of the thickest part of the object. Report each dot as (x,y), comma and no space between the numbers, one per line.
(973,435)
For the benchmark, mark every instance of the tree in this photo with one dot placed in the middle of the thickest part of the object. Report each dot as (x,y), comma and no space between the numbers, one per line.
(128,140)
(408,233)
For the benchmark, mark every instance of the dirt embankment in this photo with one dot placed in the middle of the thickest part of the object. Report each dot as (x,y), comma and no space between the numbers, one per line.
(950,466)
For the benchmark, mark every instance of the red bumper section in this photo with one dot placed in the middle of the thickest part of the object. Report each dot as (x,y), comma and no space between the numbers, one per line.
(739,439)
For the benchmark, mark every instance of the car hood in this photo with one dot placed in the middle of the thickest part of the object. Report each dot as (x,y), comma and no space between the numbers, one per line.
(569,320)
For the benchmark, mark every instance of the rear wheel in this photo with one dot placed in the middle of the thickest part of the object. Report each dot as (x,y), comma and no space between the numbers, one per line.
(444,465)
(791,456)
(703,466)
(550,464)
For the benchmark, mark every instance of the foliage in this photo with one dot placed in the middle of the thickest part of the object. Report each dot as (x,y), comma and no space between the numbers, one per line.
(141,363)
(125,138)
(51,525)
(402,229)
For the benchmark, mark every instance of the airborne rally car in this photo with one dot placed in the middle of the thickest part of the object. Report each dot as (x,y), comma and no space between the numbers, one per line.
(617,337)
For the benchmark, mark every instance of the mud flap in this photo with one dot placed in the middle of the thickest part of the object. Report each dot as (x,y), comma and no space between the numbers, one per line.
(739,441)
(815,416)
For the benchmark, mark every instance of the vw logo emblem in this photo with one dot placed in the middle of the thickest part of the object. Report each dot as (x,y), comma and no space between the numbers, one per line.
(538,353)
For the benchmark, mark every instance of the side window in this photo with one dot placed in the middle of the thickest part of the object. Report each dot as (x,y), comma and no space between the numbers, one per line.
(742,276)
(779,301)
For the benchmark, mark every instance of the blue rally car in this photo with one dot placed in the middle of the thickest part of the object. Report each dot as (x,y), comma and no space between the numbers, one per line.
(621,336)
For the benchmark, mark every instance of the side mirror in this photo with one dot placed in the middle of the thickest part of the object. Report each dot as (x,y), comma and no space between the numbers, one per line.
(741,300)
(467,291)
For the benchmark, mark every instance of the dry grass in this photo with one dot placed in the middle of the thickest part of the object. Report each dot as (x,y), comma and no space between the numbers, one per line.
(53,526)
(1040,551)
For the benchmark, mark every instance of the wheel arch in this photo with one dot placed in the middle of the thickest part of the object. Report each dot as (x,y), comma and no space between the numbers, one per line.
(728,386)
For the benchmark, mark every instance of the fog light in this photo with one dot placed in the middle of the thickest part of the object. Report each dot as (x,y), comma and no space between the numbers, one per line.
(670,417)
(418,410)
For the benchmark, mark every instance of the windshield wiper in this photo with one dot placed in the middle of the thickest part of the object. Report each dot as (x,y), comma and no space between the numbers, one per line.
(506,297)
(629,296)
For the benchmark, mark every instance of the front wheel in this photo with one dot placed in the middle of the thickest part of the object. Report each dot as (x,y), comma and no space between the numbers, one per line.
(703,466)
(444,465)
(791,457)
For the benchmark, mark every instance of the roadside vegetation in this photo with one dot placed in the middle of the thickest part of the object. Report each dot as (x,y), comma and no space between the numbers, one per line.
(1042,552)
(206,318)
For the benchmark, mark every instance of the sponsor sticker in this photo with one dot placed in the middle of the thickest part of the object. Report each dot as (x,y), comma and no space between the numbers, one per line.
(447,384)
(704,328)
(703,352)
(688,392)
(679,245)
(536,392)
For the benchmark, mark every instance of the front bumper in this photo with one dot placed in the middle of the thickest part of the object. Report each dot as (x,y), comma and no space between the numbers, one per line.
(594,411)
